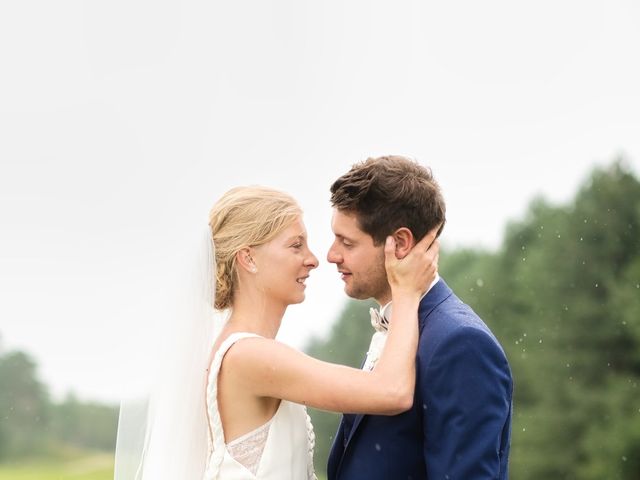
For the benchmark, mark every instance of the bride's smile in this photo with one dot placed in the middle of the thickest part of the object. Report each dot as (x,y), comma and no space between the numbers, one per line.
(283,265)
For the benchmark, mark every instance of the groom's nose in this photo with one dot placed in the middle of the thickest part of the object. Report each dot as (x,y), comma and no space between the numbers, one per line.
(333,255)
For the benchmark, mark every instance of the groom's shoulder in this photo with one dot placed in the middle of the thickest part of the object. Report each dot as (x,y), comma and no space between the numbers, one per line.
(441,307)
(450,316)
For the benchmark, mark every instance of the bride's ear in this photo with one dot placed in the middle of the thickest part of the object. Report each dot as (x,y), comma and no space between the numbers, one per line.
(245,261)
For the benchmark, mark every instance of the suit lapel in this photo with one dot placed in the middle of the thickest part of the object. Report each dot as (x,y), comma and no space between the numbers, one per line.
(438,293)
(337,452)
(340,446)
(356,423)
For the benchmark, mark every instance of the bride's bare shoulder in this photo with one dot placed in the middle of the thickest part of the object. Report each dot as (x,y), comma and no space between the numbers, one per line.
(255,354)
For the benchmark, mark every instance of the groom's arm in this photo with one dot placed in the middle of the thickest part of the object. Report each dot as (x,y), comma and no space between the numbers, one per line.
(466,390)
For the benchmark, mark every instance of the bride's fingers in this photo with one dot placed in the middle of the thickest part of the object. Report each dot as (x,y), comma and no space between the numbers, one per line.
(390,250)
(434,264)
(434,251)
(427,241)
(425,252)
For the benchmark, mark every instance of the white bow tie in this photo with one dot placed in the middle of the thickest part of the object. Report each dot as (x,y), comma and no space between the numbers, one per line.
(378,321)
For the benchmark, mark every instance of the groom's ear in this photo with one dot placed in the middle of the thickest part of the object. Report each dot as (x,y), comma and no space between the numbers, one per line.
(404,241)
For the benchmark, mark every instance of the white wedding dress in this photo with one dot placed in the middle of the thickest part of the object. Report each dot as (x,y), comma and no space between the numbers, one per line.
(286,441)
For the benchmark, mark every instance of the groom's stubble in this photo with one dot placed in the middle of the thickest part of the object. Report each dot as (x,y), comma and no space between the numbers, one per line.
(370,280)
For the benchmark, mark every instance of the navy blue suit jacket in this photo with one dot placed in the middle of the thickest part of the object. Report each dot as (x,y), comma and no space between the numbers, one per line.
(459,427)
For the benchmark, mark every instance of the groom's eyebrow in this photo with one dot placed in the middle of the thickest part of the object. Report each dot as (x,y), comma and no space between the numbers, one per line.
(342,237)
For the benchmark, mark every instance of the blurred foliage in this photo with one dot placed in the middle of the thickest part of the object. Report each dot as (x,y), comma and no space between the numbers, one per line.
(24,406)
(344,345)
(84,424)
(32,425)
(562,294)
(82,465)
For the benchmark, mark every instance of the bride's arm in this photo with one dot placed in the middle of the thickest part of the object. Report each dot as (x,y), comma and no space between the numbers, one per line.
(272,369)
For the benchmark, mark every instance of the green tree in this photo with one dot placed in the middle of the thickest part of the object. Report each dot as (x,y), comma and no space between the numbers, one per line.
(346,344)
(86,425)
(32,426)
(23,406)
(563,287)
(562,294)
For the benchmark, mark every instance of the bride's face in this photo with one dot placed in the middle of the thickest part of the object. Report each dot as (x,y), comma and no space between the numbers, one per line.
(284,264)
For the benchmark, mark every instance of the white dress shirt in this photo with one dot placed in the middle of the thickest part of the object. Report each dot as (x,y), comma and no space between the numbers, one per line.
(380,321)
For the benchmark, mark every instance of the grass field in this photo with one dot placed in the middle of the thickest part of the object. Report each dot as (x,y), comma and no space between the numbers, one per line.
(92,467)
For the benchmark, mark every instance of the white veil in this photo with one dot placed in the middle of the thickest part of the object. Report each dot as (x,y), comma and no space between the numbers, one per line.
(164,435)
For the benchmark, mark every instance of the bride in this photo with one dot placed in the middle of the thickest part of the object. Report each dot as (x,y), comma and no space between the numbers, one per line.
(245,417)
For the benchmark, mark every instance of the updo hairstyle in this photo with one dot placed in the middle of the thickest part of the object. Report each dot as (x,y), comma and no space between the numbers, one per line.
(245,217)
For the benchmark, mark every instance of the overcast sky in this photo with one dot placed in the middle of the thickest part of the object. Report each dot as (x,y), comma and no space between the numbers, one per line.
(122,122)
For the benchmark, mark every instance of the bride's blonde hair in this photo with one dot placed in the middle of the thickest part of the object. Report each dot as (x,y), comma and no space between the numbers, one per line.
(245,217)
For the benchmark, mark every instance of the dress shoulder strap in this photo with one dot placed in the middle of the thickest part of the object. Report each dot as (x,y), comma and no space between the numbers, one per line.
(226,345)
(216,433)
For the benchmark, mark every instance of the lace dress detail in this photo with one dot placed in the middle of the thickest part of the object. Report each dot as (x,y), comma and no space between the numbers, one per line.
(274,451)
(248,448)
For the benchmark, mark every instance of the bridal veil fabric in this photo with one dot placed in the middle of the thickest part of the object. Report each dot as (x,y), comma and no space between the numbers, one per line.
(163,434)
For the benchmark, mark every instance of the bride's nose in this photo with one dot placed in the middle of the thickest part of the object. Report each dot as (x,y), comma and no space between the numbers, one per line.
(311,261)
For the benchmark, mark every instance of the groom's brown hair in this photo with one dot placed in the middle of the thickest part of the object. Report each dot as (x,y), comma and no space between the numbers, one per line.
(390,192)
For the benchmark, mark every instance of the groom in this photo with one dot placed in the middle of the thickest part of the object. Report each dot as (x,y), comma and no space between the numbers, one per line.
(460,423)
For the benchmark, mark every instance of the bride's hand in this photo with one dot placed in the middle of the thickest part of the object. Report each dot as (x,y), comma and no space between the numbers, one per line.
(417,270)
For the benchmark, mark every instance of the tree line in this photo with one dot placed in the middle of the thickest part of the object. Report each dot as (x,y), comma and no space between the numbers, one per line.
(33,425)
(562,294)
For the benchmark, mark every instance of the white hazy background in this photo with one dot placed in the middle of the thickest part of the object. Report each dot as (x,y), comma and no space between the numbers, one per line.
(122,122)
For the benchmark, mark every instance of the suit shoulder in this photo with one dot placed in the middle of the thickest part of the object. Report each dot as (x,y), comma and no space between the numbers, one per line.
(454,324)
(453,316)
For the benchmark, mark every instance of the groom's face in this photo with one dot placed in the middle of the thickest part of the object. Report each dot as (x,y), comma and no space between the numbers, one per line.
(359,261)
